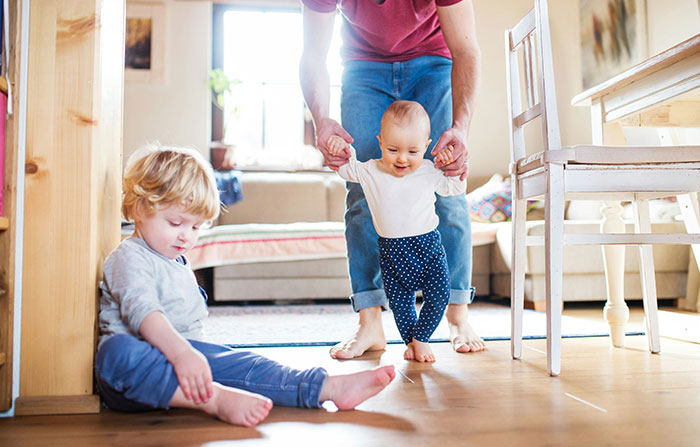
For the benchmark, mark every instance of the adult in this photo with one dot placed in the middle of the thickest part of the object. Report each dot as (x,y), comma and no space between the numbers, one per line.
(420,50)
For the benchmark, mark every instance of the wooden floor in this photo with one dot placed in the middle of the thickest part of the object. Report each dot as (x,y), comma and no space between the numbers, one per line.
(605,396)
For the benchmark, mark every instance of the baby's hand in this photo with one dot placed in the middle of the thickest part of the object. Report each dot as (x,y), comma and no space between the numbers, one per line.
(337,145)
(445,156)
(194,375)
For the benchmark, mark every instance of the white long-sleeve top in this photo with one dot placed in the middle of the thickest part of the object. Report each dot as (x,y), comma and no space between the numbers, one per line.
(401,206)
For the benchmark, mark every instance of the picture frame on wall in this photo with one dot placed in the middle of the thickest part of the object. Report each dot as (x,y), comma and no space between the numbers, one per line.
(613,38)
(144,53)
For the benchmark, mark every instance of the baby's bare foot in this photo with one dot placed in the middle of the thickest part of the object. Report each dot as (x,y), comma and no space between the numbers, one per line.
(349,390)
(408,354)
(368,336)
(419,351)
(240,407)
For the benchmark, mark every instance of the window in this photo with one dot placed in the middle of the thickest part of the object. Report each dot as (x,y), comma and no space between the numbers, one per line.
(265,116)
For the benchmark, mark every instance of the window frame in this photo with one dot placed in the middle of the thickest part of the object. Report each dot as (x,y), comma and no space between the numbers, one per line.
(217,56)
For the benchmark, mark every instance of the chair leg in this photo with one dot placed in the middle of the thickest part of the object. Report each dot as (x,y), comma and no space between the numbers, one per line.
(554,257)
(646,271)
(517,277)
(689,205)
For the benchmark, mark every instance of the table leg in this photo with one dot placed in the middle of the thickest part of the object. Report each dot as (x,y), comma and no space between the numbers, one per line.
(615,312)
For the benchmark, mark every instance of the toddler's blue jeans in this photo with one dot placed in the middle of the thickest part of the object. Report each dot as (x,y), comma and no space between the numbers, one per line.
(368,89)
(133,375)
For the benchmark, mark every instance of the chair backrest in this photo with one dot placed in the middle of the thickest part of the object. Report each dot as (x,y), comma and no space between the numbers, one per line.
(531,34)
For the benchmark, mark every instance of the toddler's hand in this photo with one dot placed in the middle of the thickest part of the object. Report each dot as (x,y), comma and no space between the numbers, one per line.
(445,156)
(194,375)
(337,146)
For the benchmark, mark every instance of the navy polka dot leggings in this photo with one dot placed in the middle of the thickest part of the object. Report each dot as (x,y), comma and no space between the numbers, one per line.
(409,264)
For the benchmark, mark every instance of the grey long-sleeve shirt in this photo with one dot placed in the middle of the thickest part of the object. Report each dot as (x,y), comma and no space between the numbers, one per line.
(137,281)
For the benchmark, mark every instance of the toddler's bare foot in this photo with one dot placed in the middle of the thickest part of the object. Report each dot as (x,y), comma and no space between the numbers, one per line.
(419,351)
(368,336)
(231,405)
(349,390)
(462,335)
(240,407)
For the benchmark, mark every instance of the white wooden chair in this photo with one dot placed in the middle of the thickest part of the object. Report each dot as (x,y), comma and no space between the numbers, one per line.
(558,173)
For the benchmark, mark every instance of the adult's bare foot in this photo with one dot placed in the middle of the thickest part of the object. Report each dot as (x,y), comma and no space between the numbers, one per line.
(462,335)
(368,336)
(237,407)
(349,390)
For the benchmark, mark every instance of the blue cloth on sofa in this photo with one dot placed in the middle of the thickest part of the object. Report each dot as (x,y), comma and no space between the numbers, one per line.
(229,186)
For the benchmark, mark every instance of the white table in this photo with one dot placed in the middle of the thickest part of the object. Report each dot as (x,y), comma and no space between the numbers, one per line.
(662,92)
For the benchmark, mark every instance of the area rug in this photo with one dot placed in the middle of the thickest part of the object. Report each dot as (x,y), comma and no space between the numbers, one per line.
(272,325)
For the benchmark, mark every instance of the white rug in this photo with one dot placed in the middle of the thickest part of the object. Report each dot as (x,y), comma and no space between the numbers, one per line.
(326,324)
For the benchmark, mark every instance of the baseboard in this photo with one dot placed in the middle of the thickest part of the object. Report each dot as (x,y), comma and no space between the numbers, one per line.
(36,405)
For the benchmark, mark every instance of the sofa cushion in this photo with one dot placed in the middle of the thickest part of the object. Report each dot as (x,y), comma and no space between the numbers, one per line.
(279,198)
(335,189)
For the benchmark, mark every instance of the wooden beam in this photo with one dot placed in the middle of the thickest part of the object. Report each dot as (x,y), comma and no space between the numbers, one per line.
(35,405)
(74,124)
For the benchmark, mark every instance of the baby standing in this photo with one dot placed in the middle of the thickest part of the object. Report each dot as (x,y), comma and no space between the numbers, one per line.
(400,189)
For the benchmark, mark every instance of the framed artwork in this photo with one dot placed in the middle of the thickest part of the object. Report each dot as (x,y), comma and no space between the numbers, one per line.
(144,53)
(613,37)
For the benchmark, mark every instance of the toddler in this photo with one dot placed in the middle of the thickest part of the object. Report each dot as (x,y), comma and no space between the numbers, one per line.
(151,354)
(400,190)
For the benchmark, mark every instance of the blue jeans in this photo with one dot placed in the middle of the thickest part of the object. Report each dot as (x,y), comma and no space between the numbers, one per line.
(133,375)
(368,88)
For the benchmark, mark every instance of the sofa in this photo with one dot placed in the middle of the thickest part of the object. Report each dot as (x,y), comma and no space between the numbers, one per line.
(277,201)
(584,275)
(277,207)
(280,199)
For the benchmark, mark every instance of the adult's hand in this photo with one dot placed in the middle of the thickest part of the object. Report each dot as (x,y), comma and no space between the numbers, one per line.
(325,129)
(457,139)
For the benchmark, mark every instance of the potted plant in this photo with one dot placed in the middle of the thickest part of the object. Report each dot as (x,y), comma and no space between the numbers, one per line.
(221,86)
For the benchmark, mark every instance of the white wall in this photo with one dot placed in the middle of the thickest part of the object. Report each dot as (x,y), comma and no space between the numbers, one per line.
(488,137)
(669,26)
(669,22)
(176,111)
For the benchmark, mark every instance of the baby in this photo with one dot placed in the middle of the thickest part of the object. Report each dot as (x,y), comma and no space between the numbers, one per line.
(400,190)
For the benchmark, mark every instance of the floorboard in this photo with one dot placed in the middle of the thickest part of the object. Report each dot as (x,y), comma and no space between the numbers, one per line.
(605,396)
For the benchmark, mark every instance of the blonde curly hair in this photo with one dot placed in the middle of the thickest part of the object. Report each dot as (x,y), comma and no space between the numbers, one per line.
(159,176)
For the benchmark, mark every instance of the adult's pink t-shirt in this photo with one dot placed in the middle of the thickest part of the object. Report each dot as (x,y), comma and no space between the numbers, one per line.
(393,31)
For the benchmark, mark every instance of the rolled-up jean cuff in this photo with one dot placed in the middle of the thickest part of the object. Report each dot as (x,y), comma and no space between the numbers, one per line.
(462,296)
(370,298)
(320,375)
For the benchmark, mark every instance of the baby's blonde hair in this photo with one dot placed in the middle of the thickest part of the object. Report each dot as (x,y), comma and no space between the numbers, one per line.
(404,113)
(157,175)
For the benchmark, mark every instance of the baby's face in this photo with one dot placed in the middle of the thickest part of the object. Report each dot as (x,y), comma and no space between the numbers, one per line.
(402,148)
(169,230)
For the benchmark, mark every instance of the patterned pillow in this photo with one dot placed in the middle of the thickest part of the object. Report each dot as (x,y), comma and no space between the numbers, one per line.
(492,201)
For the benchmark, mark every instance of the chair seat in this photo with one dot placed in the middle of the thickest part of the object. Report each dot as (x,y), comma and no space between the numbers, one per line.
(613,155)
